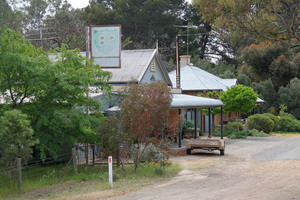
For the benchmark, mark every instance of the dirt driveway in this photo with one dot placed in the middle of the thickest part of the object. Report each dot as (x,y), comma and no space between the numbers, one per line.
(252,168)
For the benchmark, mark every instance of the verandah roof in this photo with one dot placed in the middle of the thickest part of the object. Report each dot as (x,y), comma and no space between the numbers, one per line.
(188,101)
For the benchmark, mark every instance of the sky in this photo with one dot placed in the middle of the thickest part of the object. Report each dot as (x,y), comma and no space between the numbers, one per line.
(84,3)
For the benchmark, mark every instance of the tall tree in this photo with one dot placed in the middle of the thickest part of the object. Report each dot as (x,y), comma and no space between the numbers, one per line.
(49,90)
(274,20)
(9,17)
(270,61)
(16,139)
(143,21)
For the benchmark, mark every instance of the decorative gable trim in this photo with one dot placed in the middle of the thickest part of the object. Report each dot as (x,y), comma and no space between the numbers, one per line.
(153,65)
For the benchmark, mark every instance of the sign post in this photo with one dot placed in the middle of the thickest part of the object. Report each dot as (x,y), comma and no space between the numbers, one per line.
(105,45)
(110,172)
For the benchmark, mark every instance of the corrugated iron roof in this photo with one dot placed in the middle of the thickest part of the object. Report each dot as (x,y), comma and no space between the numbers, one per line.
(134,64)
(196,79)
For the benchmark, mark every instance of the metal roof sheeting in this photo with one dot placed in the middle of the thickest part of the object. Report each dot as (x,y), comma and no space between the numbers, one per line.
(188,101)
(134,64)
(196,79)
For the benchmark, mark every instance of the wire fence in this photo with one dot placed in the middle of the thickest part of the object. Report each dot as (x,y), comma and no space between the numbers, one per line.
(69,164)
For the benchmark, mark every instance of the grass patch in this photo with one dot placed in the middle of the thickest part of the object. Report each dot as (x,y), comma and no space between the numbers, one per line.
(45,182)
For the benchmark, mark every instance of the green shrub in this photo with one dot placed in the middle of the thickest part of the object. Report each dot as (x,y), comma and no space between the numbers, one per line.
(273,118)
(256,133)
(188,124)
(151,153)
(232,127)
(288,124)
(231,135)
(260,123)
(231,120)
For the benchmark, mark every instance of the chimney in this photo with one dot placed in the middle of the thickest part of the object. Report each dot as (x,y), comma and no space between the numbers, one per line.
(185,60)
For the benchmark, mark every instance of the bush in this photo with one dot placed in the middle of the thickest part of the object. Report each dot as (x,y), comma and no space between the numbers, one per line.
(232,127)
(231,135)
(151,153)
(188,124)
(256,133)
(260,123)
(273,118)
(288,124)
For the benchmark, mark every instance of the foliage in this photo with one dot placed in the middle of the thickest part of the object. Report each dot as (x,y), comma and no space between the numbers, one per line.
(231,135)
(9,17)
(260,123)
(151,153)
(188,124)
(232,126)
(63,128)
(256,133)
(273,118)
(110,133)
(239,98)
(49,91)
(142,21)
(243,79)
(272,20)
(270,61)
(145,112)
(160,166)
(221,69)
(16,139)
(266,91)
(288,124)
(290,96)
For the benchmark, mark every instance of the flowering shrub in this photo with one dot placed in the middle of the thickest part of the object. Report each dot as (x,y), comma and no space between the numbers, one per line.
(159,166)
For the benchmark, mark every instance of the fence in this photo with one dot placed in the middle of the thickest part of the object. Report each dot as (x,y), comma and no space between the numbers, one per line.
(82,156)
(93,154)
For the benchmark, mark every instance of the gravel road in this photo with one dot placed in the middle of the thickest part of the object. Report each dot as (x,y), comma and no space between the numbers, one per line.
(252,168)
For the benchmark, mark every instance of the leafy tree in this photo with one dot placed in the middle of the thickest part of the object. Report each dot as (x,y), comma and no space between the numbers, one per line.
(243,79)
(8,17)
(143,21)
(272,20)
(290,97)
(49,91)
(266,90)
(239,98)
(145,112)
(16,139)
(270,61)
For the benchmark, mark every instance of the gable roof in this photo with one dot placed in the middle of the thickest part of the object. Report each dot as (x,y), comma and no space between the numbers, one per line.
(195,79)
(134,64)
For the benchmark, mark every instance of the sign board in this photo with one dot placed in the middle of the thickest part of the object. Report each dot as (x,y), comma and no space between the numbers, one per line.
(105,45)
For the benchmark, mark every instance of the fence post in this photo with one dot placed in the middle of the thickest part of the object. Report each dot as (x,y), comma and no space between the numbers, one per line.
(118,157)
(74,160)
(78,159)
(19,172)
(93,149)
(110,172)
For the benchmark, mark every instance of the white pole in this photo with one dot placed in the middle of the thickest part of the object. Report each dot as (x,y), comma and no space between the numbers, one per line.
(110,172)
